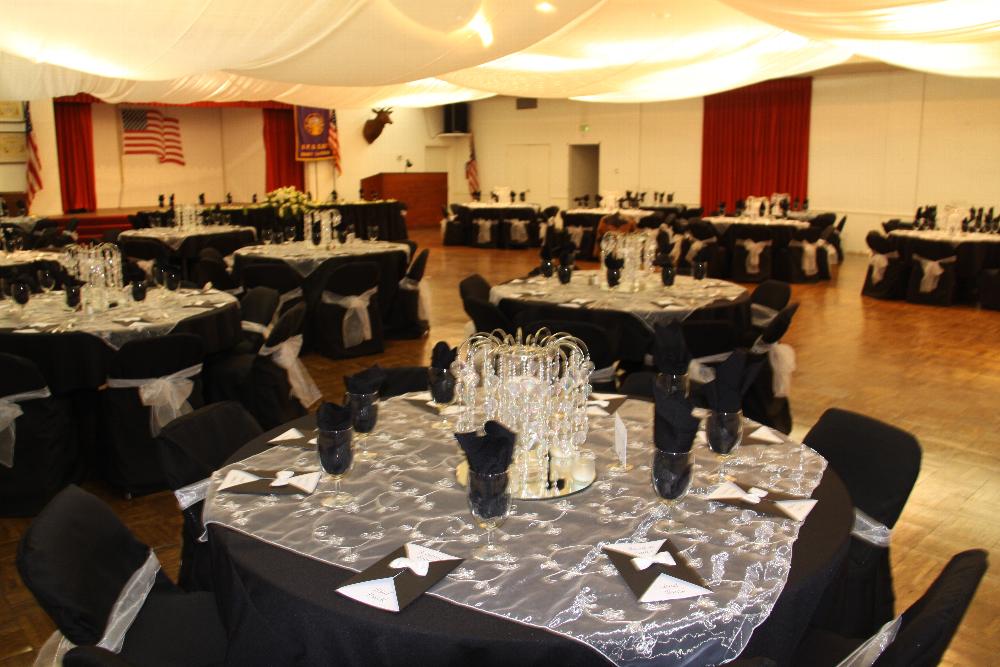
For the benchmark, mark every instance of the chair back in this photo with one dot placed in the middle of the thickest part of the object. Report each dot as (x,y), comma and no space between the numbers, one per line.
(823,220)
(772,293)
(276,275)
(879,243)
(841,224)
(352,278)
(193,446)
(810,235)
(709,337)
(702,230)
(474,287)
(207,270)
(485,316)
(930,622)
(778,326)
(76,558)
(259,305)
(18,375)
(144,249)
(599,344)
(288,325)
(211,253)
(549,211)
(879,463)
(417,267)
(156,357)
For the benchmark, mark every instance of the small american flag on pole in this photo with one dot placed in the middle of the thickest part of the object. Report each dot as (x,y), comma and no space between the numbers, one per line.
(151,132)
(34,166)
(471,168)
(334,138)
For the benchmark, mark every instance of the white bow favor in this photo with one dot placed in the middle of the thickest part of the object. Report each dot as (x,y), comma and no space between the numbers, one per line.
(356,327)
(519,231)
(165,396)
(879,263)
(286,355)
(810,267)
(932,271)
(696,247)
(9,412)
(754,250)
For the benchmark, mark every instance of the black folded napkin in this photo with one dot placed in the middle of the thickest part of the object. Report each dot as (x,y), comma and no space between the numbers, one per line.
(670,349)
(663,259)
(566,258)
(443,355)
(674,427)
(366,381)
(546,253)
(333,417)
(490,453)
(613,262)
(733,378)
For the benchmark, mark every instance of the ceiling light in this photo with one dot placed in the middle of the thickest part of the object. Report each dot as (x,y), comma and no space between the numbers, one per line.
(481,27)
(545,7)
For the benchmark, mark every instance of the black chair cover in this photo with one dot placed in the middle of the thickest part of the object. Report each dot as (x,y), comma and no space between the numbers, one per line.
(601,347)
(760,403)
(190,449)
(944,293)
(132,464)
(487,317)
(738,266)
(989,289)
(207,270)
(257,307)
(46,448)
(327,322)
(709,337)
(93,656)
(405,321)
(879,464)
(792,265)
(897,273)
(474,287)
(772,293)
(144,249)
(714,253)
(76,558)
(276,275)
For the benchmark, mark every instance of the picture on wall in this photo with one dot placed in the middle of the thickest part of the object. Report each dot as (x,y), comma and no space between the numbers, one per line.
(13,147)
(11,112)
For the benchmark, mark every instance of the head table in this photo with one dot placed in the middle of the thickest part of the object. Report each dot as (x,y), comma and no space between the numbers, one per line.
(558,600)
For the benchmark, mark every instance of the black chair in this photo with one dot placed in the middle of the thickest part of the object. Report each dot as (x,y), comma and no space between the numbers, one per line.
(926,627)
(711,251)
(452,231)
(600,346)
(760,240)
(474,287)
(893,281)
(487,317)
(766,300)
(77,557)
(409,317)
(256,312)
(823,220)
(760,402)
(69,234)
(190,449)
(879,464)
(45,450)
(211,268)
(989,289)
(920,253)
(144,249)
(794,265)
(347,280)
(278,276)
(126,423)
(707,338)
(93,656)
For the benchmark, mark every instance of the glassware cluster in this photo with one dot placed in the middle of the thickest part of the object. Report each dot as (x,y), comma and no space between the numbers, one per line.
(100,267)
(637,250)
(535,385)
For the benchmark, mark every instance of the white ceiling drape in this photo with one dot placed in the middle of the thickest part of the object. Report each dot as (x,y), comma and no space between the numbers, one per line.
(363,53)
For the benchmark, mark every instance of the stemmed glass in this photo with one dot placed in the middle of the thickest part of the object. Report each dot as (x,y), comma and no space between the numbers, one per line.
(171,280)
(442,386)
(672,473)
(372,233)
(21,293)
(724,431)
(139,290)
(265,235)
(699,270)
(336,454)
(364,416)
(72,296)
(489,502)
(46,280)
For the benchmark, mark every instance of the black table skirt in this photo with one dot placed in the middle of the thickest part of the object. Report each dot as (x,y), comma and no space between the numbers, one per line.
(973,257)
(388,217)
(282,608)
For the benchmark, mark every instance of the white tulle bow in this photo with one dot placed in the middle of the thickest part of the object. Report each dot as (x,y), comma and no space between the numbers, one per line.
(423,309)
(870,530)
(932,271)
(485,230)
(754,250)
(782,359)
(286,355)
(879,263)
(357,324)
(575,234)
(9,412)
(644,563)
(696,247)
(519,231)
(165,396)
(810,267)
(290,295)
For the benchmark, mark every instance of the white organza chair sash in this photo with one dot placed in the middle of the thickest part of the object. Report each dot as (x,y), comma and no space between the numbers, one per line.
(357,324)
(754,250)
(485,234)
(782,359)
(519,231)
(810,267)
(192,493)
(290,295)
(696,246)
(932,271)
(255,327)
(870,530)
(286,355)
(761,315)
(575,234)
(866,654)
(879,263)
(9,412)
(423,309)
(165,396)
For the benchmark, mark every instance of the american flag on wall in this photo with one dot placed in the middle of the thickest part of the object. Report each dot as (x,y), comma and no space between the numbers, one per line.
(34,165)
(151,132)
(471,168)
(334,138)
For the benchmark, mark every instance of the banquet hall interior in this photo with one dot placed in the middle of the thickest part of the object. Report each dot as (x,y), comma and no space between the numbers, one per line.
(631,332)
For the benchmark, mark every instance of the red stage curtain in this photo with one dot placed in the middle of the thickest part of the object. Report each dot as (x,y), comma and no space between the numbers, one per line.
(75,146)
(755,142)
(279,150)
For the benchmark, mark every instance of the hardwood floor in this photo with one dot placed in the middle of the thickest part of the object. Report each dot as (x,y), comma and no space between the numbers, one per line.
(932,371)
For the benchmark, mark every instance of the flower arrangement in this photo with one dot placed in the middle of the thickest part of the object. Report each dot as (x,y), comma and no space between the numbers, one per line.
(288,200)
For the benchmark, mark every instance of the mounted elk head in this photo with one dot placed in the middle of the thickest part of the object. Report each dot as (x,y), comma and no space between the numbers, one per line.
(373,126)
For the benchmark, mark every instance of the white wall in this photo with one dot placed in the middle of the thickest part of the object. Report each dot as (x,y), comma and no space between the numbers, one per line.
(13,176)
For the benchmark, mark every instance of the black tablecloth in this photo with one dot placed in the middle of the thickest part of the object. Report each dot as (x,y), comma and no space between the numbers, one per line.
(282,608)
(470,231)
(973,257)
(389,217)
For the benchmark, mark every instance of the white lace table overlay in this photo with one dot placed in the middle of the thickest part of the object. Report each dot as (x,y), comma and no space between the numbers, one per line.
(19,257)
(156,316)
(652,303)
(954,239)
(559,579)
(174,237)
(722,223)
(305,257)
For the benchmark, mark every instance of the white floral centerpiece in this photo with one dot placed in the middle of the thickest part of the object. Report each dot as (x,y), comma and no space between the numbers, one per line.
(289,201)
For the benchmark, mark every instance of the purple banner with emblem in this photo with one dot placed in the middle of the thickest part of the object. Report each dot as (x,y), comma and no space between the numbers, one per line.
(312,134)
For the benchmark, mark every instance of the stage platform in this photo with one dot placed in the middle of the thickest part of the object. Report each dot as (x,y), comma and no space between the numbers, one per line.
(93,225)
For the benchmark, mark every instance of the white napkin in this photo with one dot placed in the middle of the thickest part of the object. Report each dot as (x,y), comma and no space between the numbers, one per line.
(25,331)
(621,439)
(664,302)
(570,304)
(767,435)
(305,482)
(601,396)
(450,410)
(598,402)
(139,325)
(581,301)
(290,434)
(130,319)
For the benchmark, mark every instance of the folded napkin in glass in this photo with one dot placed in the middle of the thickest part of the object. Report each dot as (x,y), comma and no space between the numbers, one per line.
(270,482)
(772,503)
(400,577)
(655,571)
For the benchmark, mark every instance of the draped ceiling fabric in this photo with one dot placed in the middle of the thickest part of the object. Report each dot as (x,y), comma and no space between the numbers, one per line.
(363,53)
(755,142)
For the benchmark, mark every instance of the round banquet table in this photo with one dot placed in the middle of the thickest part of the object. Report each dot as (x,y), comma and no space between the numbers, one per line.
(13,263)
(283,608)
(634,312)
(73,350)
(187,243)
(975,252)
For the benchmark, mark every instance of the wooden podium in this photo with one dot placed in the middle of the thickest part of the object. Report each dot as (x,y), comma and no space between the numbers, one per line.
(424,193)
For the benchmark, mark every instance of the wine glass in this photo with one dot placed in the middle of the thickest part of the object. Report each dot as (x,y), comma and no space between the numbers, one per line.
(672,384)
(46,280)
(489,502)
(73,296)
(159,275)
(336,454)
(21,293)
(442,386)
(364,416)
(172,280)
(724,431)
(700,270)
(671,473)
(372,233)
(265,235)
(139,288)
